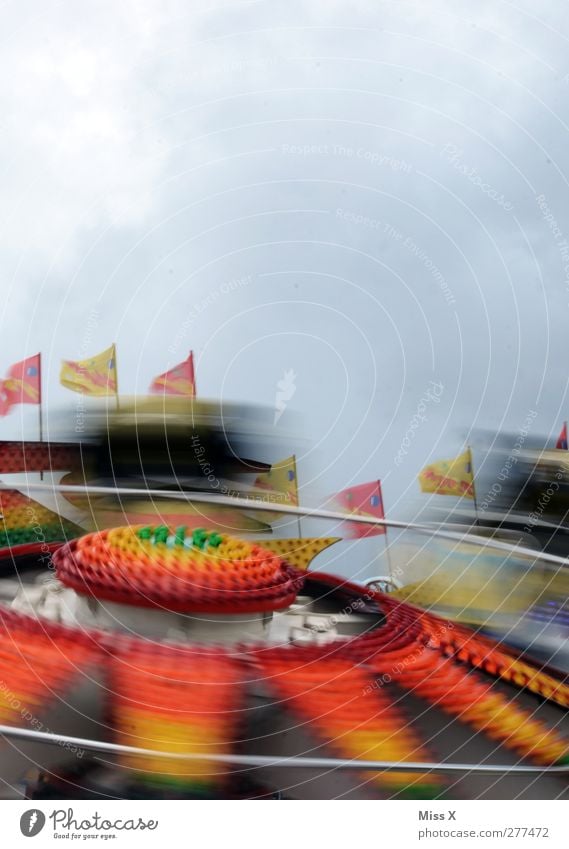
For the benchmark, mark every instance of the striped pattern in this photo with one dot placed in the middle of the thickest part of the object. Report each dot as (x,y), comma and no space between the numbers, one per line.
(481,653)
(427,655)
(171,698)
(24,521)
(39,662)
(177,701)
(338,702)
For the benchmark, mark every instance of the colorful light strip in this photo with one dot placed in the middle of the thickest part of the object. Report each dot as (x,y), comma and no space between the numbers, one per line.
(23,520)
(176,701)
(341,706)
(38,456)
(410,649)
(38,663)
(177,569)
(479,652)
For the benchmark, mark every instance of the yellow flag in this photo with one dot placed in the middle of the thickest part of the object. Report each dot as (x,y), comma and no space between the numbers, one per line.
(299,552)
(449,477)
(279,486)
(96,376)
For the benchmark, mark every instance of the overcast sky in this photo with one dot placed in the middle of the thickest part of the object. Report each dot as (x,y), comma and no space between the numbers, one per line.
(372,195)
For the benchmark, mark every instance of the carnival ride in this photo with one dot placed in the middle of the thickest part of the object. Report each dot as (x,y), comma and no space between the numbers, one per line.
(150,660)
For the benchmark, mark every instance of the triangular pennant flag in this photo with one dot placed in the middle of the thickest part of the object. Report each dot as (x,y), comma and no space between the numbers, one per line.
(22,384)
(180,380)
(362,500)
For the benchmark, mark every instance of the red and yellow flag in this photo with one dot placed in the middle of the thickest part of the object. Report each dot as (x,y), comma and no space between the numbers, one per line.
(363,500)
(449,477)
(96,376)
(180,380)
(22,384)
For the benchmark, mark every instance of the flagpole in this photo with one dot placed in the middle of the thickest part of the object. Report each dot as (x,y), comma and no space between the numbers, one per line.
(116,375)
(566,439)
(473,487)
(191,357)
(40,418)
(387,552)
(195,392)
(297,494)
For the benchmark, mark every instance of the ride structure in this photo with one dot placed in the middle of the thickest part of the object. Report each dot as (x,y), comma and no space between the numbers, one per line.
(192,649)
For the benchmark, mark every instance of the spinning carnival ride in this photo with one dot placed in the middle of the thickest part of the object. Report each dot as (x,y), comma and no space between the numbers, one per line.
(192,650)
(171,662)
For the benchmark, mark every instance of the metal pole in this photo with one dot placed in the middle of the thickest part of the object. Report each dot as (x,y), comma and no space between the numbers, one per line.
(385,534)
(40,421)
(297,494)
(49,738)
(191,358)
(473,487)
(313,512)
(116,375)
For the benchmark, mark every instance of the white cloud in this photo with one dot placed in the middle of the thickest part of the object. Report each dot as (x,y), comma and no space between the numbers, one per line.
(78,140)
(165,123)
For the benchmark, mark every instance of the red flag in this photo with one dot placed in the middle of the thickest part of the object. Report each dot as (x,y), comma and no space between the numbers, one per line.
(562,440)
(22,384)
(363,500)
(180,380)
